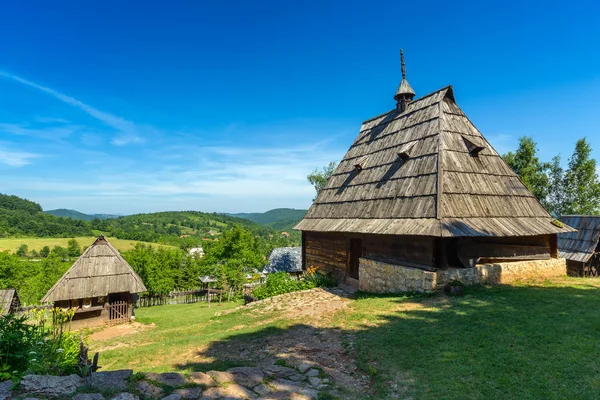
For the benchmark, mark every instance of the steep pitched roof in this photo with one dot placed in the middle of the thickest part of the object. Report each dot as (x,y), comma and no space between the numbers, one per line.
(580,245)
(99,271)
(284,259)
(426,171)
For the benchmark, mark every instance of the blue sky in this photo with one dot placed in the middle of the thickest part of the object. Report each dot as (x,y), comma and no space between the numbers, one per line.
(125,107)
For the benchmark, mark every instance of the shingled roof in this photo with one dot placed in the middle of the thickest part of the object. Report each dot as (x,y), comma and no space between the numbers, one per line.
(99,271)
(581,245)
(284,259)
(9,301)
(426,171)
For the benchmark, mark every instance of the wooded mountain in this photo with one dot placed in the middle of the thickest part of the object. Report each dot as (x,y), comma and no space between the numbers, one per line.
(278,218)
(65,212)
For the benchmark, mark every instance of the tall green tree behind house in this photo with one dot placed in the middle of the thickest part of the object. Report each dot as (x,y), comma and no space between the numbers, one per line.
(556,190)
(525,162)
(581,182)
(318,178)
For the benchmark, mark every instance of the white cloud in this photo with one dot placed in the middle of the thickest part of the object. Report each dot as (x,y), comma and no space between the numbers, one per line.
(128,131)
(16,158)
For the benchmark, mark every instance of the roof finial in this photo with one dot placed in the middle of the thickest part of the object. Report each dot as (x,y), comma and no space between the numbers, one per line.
(402,63)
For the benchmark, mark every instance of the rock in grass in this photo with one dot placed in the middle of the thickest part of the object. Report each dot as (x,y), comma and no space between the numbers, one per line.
(200,378)
(233,391)
(247,376)
(149,391)
(189,393)
(50,386)
(125,396)
(220,376)
(88,396)
(312,372)
(262,389)
(172,396)
(5,389)
(109,380)
(172,379)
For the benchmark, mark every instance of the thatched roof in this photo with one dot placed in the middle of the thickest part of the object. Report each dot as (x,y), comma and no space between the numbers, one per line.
(99,271)
(580,245)
(426,171)
(8,301)
(284,259)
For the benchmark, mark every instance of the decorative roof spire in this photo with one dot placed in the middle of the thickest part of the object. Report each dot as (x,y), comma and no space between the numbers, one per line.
(405,92)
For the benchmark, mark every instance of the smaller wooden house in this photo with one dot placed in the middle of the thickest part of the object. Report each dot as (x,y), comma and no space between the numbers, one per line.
(581,249)
(101,286)
(9,301)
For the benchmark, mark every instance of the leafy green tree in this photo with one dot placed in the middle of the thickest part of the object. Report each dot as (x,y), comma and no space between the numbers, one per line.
(45,252)
(73,248)
(581,182)
(318,178)
(60,253)
(526,164)
(556,189)
(22,250)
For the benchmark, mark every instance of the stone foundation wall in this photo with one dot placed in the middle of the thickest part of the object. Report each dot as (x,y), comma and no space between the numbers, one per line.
(381,277)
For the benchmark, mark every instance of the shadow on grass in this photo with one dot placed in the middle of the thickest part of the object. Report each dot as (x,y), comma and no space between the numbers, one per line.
(495,342)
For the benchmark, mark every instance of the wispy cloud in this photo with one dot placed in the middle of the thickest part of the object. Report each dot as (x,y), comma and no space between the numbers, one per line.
(129,132)
(15,158)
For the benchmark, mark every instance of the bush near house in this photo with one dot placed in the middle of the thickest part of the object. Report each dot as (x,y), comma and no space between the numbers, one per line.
(281,282)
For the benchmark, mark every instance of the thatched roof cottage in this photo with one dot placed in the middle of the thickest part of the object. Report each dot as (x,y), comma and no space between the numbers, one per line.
(581,248)
(9,301)
(421,188)
(100,286)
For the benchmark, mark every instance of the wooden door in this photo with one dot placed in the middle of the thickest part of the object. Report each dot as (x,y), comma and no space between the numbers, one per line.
(355,255)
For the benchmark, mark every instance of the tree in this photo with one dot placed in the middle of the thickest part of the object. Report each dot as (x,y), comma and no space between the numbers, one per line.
(319,178)
(581,182)
(525,162)
(73,248)
(22,250)
(556,189)
(45,252)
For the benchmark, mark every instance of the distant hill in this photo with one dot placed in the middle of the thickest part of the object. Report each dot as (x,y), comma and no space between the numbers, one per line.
(73,214)
(279,218)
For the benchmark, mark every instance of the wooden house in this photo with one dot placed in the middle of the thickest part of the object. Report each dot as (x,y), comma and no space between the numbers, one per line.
(421,187)
(100,286)
(581,248)
(9,301)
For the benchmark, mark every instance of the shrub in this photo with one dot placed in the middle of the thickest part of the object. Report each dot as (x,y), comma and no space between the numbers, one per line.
(27,347)
(281,282)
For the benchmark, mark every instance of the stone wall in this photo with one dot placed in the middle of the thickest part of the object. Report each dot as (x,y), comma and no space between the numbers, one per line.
(381,277)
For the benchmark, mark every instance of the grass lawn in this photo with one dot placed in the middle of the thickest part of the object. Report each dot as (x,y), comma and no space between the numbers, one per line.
(37,244)
(529,341)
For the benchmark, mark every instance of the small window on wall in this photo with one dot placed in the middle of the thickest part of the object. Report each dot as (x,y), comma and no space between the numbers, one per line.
(474,145)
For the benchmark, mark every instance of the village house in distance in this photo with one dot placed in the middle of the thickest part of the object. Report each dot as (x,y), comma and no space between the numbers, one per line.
(421,198)
(100,286)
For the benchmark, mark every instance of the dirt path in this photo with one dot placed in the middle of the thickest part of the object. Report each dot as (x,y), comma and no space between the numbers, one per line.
(119,330)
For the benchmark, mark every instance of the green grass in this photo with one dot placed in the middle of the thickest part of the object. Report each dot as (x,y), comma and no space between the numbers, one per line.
(503,342)
(37,244)
(529,341)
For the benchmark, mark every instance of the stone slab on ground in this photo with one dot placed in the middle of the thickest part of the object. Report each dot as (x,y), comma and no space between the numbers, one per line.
(285,385)
(5,389)
(109,380)
(262,389)
(172,379)
(247,376)
(231,391)
(172,396)
(221,377)
(125,396)
(202,379)
(279,371)
(88,396)
(189,393)
(149,391)
(50,386)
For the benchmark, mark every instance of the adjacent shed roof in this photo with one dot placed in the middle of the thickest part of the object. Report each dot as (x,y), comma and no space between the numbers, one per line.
(99,271)
(284,259)
(580,245)
(8,300)
(426,171)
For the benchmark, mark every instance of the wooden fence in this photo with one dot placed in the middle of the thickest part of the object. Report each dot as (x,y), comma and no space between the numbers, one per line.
(118,312)
(180,297)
